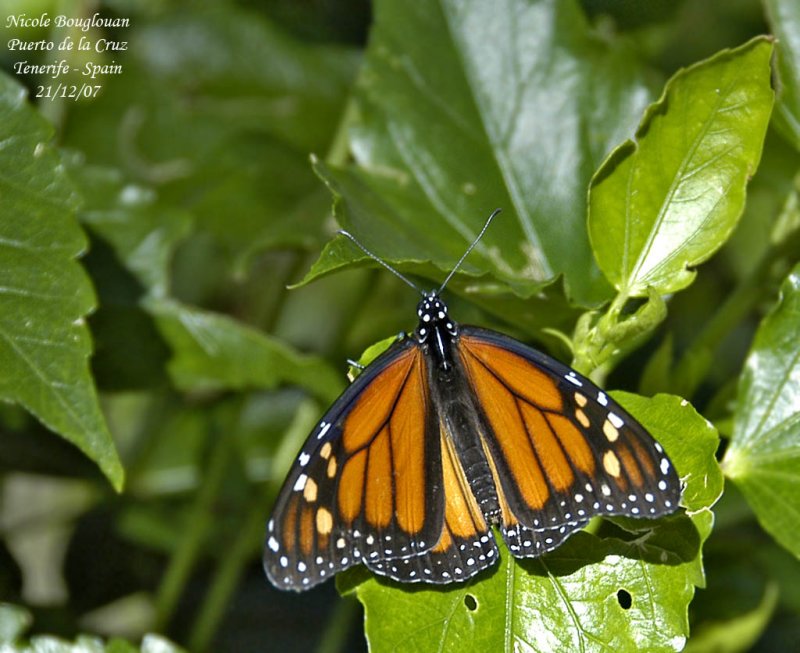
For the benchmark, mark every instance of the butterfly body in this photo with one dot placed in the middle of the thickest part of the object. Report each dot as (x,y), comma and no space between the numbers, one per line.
(450,432)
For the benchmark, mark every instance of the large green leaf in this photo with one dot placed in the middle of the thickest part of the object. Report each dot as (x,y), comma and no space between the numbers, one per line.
(738,634)
(575,597)
(667,201)
(784,19)
(466,107)
(764,455)
(44,294)
(213,352)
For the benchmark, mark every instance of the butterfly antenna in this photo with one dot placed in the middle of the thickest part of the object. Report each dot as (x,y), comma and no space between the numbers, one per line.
(374,257)
(469,249)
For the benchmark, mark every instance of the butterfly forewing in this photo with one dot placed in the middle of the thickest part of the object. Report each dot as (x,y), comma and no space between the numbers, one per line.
(560,449)
(362,487)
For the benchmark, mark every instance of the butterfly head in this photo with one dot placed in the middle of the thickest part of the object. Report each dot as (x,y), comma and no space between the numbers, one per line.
(432,313)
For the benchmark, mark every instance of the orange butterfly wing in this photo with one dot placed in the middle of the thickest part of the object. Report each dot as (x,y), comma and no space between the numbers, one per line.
(464,545)
(560,450)
(357,492)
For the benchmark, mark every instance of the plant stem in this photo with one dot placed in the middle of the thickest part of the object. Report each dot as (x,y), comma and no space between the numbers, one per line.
(747,294)
(200,522)
(334,635)
(228,573)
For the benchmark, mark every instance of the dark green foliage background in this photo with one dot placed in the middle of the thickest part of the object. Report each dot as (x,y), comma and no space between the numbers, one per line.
(158,375)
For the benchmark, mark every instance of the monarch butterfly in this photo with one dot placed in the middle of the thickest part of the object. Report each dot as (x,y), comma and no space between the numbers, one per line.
(450,432)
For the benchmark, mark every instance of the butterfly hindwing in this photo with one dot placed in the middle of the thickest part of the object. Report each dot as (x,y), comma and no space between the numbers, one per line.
(465,544)
(362,487)
(560,449)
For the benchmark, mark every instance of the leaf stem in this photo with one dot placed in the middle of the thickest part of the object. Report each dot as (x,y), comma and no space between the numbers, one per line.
(698,356)
(339,150)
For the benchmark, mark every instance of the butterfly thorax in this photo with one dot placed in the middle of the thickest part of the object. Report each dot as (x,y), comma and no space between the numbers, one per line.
(459,417)
(436,331)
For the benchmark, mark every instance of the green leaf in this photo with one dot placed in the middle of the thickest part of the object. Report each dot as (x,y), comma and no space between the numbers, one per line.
(667,201)
(134,238)
(739,633)
(764,455)
(213,352)
(480,110)
(44,293)
(784,19)
(127,215)
(223,128)
(570,599)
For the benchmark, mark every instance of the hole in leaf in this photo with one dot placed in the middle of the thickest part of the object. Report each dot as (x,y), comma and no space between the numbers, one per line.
(471,602)
(625,599)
